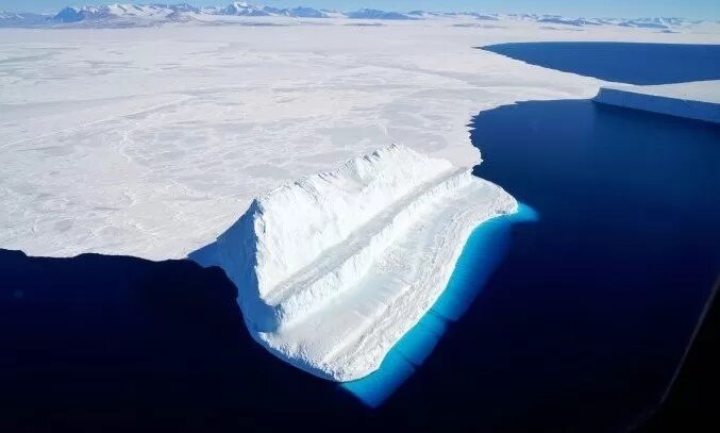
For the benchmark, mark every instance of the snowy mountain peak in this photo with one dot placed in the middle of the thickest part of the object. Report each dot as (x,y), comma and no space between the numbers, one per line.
(376,14)
(244,9)
(155,12)
(249,10)
(123,14)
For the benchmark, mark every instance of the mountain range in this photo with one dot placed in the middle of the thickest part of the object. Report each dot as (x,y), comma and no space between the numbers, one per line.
(158,13)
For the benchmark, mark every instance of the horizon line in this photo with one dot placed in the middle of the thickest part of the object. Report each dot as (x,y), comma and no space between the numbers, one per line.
(260,5)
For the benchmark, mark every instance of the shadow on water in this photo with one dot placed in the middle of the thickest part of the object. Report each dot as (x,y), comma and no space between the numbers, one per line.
(634,63)
(103,340)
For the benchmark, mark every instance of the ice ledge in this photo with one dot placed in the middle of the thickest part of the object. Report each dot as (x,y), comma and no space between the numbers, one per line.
(333,270)
(696,100)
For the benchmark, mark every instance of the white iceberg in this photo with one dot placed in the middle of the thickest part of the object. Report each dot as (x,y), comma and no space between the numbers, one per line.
(333,270)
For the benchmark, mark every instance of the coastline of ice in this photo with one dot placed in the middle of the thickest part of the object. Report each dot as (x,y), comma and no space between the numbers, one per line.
(333,270)
(699,100)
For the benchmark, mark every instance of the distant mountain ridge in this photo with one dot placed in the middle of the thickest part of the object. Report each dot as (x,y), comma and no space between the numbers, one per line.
(119,14)
(21,19)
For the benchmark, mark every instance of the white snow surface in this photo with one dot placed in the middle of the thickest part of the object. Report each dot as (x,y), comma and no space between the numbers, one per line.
(333,270)
(699,100)
(152,141)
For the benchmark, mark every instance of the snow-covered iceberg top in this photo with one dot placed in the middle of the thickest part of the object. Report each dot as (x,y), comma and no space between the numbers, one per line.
(334,269)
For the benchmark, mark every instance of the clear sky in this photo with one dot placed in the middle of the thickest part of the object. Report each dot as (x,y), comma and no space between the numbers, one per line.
(700,9)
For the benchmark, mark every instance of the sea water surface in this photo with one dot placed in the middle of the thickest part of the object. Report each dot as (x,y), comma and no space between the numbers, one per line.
(595,303)
(624,62)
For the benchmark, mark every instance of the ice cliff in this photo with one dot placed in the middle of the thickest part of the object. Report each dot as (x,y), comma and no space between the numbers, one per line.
(332,270)
(699,100)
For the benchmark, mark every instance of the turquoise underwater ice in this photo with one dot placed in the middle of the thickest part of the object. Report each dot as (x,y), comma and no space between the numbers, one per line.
(483,252)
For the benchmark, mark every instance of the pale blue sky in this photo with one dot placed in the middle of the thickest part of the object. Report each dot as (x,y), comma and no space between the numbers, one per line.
(701,9)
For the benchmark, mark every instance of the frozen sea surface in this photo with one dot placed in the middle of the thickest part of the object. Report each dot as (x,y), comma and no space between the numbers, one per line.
(116,140)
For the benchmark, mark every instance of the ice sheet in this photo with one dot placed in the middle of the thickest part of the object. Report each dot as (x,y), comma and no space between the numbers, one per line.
(151,142)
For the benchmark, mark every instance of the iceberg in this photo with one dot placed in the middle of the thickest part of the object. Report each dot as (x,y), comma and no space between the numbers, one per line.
(334,269)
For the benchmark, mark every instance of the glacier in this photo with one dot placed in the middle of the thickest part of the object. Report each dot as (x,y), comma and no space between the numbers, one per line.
(334,269)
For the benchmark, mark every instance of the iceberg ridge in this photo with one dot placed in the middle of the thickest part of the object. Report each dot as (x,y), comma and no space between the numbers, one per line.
(332,270)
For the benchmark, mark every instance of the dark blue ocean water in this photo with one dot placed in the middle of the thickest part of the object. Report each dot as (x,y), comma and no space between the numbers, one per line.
(597,300)
(633,63)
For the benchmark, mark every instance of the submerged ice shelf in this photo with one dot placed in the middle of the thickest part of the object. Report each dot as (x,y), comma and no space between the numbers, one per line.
(483,252)
(333,270)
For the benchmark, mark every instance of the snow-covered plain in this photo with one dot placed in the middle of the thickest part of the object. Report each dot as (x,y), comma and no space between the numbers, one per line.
(151,142)
(699,100)
(333,270)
